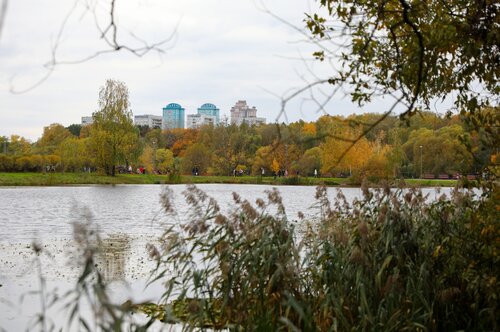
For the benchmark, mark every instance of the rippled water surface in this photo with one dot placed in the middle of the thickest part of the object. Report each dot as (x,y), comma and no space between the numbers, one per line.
(128,216)
(47,212)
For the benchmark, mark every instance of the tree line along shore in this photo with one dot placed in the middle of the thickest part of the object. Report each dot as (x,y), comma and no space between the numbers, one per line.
(426,146)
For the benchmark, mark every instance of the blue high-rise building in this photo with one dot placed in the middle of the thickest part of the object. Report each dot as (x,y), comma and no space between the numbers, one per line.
(211,110)
(173,116)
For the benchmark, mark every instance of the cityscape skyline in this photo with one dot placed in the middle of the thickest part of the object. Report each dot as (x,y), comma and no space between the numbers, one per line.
(174,116)
(244,51)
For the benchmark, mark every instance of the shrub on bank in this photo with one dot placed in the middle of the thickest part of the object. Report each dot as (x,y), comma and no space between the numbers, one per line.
(389,261)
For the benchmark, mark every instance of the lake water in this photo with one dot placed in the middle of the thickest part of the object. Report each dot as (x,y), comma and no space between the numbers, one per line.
(128,216)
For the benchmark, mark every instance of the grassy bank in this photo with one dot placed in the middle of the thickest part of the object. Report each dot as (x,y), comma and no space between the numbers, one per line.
(57,179)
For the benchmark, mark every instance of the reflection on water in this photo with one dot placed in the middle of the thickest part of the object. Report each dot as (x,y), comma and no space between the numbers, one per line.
(120,259)
(112,257)
(129,216)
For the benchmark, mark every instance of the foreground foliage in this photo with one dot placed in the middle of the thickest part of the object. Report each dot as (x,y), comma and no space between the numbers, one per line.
(417,51)
(389,261)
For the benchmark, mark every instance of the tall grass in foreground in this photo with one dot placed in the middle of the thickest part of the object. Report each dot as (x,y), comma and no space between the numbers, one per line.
(390,261)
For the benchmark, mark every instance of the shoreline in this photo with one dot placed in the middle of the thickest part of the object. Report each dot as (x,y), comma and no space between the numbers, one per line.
(82,179)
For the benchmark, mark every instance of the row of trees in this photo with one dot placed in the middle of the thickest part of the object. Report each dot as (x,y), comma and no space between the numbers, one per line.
(427,144)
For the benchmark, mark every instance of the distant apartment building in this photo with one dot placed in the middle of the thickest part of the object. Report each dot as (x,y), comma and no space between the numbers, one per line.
(210,110)
(152,121)
(207,114)
(87,120)
(173,116)
(242,113)
(198,120)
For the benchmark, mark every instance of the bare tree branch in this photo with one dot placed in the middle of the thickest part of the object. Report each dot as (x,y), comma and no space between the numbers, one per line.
(3,13)
(421,53)
(370,128)
(110,37)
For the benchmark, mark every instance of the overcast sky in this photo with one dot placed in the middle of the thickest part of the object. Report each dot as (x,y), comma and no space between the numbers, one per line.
(224,51)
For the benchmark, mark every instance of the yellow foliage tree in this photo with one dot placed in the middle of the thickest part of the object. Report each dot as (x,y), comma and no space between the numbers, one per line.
(275,166)
(309,129)
(339,155)
(164,160)
(379,164)
(113,135)
(52,137)
(73,154)
(146,159)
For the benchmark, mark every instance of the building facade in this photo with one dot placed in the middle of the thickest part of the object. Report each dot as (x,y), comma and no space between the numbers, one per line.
(87,120)
(242,113)
(152,121)
(173,116)
(210,110)
(198,120)
(208,114)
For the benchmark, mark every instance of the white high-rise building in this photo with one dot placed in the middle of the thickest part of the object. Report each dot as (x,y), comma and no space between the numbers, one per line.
(242,113)
(152,121)
(208,114)
(198,120)
(86,120)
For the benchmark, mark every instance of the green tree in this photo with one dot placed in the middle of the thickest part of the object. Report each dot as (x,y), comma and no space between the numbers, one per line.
(438,152)
(4,143)
(74,154)
(146,159)
(74,129)
(263,160)
(113,136)
(155,138)
(164,160)
(309,161)
(197,156)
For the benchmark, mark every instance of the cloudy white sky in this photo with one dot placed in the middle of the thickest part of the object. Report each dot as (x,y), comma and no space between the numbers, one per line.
(225,50)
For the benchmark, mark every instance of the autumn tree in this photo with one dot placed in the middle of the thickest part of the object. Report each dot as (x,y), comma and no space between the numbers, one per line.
(231,146)
(74,154)
(274,158)
(147,158)
(339,156)
(415,53)
(482,138)
(438,151)
(379,164)
(164,160)
(196,156)
(264,160)
(113,136)
(19,146)
(52,137)
(269,133)
(183,138)
(309,161)
(155,138)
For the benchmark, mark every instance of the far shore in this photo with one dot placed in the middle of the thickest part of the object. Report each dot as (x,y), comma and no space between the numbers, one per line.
(65,179)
